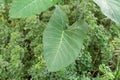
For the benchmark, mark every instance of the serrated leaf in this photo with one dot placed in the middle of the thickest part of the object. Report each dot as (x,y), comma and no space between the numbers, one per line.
(61,44)
(26,8)
(110,8)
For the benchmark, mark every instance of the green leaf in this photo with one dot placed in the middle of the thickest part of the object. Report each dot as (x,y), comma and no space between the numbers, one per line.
(1,1)
(110,8)
(62,44)
(25,8)
(55,1)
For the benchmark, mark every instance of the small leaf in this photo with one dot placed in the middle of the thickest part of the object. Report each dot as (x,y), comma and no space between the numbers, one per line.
(110,8)
(62,46)
(26,8)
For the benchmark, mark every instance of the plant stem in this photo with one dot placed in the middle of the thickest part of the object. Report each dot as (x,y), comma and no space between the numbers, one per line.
(83,10)
(77,9)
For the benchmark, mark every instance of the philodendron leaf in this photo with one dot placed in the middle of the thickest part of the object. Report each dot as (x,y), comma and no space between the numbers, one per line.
(62,44)
(25,8)
(110,8)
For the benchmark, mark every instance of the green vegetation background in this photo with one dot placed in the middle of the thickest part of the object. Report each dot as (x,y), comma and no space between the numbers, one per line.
(21,46)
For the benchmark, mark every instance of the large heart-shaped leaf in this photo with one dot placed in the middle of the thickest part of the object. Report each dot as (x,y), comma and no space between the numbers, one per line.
(25,8)
(110,8)
(62,44)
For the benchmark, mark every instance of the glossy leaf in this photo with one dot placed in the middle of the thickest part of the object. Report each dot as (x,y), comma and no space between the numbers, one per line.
(62,44)
(25,8)
(110,8)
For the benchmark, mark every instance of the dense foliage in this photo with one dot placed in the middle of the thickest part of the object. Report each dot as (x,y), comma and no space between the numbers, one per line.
(22,36)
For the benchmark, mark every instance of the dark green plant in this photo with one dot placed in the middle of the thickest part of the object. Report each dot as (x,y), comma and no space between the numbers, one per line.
(61,42)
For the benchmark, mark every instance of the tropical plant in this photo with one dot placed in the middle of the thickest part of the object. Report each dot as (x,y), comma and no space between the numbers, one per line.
(62,41)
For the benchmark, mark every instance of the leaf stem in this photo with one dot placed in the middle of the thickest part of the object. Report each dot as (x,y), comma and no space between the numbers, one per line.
(77,9)
(83,10)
